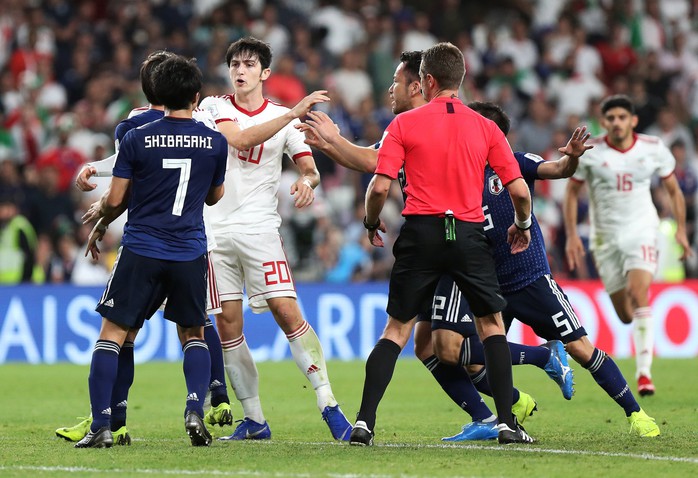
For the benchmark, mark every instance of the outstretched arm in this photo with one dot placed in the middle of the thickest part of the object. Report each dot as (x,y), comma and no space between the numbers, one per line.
(112,205)
(678,209)
(102,168)
(574,249)
(567,165)
(242,139)
(323,134)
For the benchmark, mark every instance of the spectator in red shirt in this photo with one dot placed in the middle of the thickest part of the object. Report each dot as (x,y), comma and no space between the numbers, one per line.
(441,149)
(616,53)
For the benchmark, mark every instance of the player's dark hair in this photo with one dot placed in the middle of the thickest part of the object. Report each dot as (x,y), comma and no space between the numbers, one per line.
(412,60)
(618,101)
(149,64)
(444,61)
(492,112)
(250,47)
(176,81)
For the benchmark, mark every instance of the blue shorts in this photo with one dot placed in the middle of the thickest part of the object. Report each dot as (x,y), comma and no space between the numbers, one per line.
(138,285)
(543,306)
(450,310)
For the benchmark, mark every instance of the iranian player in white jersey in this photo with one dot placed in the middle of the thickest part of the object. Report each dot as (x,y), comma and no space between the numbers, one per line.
(249,252)
(624,221)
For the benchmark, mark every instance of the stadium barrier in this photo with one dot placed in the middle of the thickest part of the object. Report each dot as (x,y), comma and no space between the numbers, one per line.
(48,324)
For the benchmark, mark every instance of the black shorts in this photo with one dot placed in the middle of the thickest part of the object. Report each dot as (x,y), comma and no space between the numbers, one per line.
(422,257)
(138,285)
(543,306)
(450,310)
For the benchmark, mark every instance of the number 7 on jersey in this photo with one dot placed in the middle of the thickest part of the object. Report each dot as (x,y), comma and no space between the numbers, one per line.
(184,165)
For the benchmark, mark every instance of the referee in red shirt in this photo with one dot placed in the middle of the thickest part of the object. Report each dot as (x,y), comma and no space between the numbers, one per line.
(443,147)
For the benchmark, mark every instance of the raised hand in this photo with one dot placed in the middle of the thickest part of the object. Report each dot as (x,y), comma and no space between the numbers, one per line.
(576,146)
(82,180)
(302,108)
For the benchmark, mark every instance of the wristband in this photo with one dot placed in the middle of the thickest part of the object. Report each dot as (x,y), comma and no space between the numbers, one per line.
(372,227)
(523,225)
(307,182)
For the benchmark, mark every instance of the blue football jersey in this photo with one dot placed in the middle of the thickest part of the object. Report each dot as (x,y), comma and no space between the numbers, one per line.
(147,116)
(514,271)
(172,164)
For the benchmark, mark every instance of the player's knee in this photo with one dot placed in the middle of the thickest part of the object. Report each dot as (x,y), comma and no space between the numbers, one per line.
(447,352)
(581,350)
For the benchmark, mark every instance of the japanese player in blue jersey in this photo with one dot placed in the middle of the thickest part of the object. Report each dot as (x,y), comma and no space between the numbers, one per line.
(220,412)
(533,297)
(164,173)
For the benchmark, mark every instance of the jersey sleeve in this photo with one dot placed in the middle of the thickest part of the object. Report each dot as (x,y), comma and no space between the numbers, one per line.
(204,116)
(221,161)
(666,163)
(120,131)
(391,154)
(528,163)
(295,142)
(211,104)
(125,158)
(501,158)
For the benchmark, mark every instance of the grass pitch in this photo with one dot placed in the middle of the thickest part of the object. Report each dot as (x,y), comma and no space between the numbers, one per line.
(587,437)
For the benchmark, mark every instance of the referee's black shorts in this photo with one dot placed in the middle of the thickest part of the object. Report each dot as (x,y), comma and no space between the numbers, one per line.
(138,285)
(422,256)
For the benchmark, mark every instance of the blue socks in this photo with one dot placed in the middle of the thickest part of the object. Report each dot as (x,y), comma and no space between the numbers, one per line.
(219,393)
(455,381)
(103,371)
(472,353)
(608,376)
(197,374)
(124,380)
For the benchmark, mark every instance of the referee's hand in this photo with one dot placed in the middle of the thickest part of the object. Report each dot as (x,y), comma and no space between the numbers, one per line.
(374,237)
(518,239)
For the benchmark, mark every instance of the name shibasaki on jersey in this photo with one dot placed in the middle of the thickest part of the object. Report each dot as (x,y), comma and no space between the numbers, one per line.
(169,186)
(514,271)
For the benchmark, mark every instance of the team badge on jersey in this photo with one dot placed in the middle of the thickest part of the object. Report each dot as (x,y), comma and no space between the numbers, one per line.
(213,110)
(495,185)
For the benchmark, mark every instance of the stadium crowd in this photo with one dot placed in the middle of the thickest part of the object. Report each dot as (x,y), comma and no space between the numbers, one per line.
(69,74)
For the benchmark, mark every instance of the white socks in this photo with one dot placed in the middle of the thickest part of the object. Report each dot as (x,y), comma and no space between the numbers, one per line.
(643,338)
(307,352)
(244,378)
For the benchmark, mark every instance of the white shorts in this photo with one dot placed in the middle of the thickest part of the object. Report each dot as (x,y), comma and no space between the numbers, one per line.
(256,261)
(213,301)
(625,253)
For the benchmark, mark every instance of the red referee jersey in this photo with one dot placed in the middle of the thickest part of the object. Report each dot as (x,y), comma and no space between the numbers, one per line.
(444,147)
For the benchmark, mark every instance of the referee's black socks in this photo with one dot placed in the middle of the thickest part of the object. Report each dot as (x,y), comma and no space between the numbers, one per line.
(379,371)
(498,365)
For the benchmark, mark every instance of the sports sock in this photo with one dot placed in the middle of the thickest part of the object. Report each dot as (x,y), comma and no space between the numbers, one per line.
(455,381)
(472,353)
(380,366)
(498,365)
(528,355)
(103,371)
(243,376)
(643,337)
(217,386)
(483,386)
(124,380)
(608,376)
(197,374)
(307,352)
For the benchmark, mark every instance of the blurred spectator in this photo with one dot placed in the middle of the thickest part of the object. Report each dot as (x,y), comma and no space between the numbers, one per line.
(268,29)
(65,159)
(17,243)
(341,26)
(669,129)
(351,81)
(535,131)
(418,37)
(283,85)
(616,53)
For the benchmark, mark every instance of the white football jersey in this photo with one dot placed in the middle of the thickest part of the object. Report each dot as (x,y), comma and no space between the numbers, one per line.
(253,176)
(619,185)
